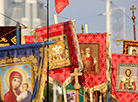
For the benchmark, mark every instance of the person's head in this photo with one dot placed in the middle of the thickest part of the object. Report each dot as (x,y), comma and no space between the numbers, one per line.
(25,86)
(82,51)
(128,72)
(88,50)
(134,52)
(15,80)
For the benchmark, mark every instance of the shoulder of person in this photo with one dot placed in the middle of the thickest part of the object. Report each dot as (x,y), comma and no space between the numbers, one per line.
(132,80)
(123,79)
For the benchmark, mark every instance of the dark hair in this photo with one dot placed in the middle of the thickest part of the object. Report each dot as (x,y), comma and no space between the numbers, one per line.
(126,71)
(134,50)
(26,84)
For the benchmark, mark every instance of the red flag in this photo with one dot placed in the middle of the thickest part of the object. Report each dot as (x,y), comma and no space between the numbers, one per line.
(60,5)
(120,63)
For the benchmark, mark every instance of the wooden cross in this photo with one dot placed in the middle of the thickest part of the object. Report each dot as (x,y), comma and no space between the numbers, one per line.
(76,74)
(133,18)
(76,85)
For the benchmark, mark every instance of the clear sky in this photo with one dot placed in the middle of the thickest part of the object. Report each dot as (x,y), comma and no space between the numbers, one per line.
(87,12)
(92,12)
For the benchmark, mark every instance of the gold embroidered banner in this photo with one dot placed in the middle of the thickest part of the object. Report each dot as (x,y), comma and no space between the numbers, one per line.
(8,35)
(20,71)
(59,55)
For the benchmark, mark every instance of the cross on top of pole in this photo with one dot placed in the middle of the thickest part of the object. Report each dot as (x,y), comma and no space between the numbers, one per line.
(76,74)
(76,86)
(133,18)
(133,9)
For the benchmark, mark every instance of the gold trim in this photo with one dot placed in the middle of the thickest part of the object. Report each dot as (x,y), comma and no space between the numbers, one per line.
(13,40)
(35,69)
(113,97)
(80,68)
(3,39)
(39,93)
(22,38)
(108,69)
(42,74)
(1,89)
(4,44)
(12,64)
(31,58)
(60,63)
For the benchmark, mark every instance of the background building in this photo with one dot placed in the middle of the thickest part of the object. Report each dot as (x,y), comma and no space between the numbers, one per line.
(31,13)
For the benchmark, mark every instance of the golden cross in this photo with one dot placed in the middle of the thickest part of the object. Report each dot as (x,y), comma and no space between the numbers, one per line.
(133,18)
(76,74)
(133,9)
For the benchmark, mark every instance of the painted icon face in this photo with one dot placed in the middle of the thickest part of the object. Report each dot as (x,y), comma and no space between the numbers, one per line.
(25,87)
(88,50)
(15,83)
(128,73)
(134,52)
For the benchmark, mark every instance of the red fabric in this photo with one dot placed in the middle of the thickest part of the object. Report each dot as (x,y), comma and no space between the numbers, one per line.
(91,63)
(121,86)
(9,96)
(61,74)
(127,59)
(29,39)
(133,84)
(90,80)
(60,5)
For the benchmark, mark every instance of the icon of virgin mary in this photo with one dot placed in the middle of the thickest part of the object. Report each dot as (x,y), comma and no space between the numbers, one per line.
(15,81)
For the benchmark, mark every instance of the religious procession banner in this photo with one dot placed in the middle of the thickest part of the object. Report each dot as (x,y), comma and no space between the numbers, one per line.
(8,35)
(124,77)
(60,5)
(84,95)
(71,94)
(20,69)
(130,47)
(59,55)
(93,54)
(29,39)
(64,55)
(94,49)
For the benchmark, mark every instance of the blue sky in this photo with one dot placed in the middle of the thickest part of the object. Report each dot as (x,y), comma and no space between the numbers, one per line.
(87,12)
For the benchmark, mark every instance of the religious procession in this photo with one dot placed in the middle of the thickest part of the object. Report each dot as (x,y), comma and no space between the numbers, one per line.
(45,57)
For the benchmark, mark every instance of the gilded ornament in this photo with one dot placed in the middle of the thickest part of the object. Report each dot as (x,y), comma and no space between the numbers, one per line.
(3,39)
(13,40)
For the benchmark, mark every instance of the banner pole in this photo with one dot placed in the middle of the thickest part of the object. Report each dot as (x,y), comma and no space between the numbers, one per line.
(47,51)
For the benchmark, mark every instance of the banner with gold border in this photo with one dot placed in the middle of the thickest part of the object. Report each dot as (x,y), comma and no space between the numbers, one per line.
(66,39)
(20,67)
(8,35)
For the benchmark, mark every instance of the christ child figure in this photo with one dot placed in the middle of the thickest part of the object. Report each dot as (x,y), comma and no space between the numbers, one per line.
(25,95)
